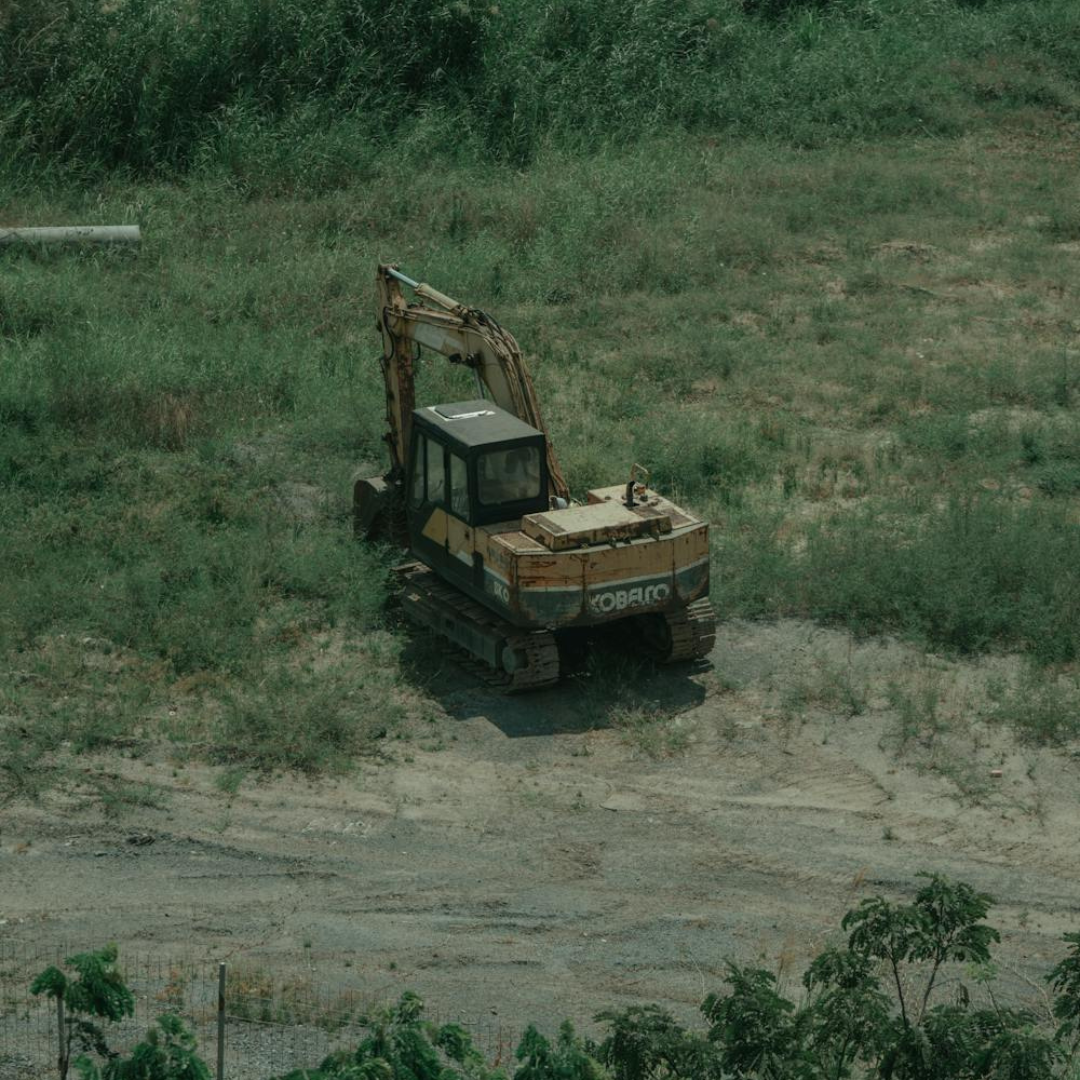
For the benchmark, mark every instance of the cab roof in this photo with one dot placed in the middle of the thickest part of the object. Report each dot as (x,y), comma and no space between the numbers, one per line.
(476,423)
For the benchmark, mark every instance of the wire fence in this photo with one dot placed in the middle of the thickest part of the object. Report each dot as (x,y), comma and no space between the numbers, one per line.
(274,1015)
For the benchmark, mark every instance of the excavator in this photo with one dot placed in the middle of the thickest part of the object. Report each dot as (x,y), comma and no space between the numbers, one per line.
(503,561)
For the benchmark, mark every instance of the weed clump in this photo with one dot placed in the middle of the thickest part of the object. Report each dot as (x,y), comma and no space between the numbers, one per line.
(974,575)
(1045,711)
(315,720)
(977,574)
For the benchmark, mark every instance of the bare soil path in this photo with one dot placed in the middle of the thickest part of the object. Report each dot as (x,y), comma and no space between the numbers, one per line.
(526,863)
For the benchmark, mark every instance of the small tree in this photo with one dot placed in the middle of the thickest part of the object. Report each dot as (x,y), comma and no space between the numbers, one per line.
(943,924)
(849,1026)
(97,992)
(759,1032)
(946,1041)
(648,1043)
(848,1013)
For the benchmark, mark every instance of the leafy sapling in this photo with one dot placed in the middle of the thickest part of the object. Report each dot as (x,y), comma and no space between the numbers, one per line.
(569,1058)
(96,992)
(645,1042)
(943,924)
(849,1013)
(759,1031)
(167,1053)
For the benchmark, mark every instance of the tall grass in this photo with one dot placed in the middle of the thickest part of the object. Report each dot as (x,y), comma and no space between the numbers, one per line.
(975,575)
(290,91)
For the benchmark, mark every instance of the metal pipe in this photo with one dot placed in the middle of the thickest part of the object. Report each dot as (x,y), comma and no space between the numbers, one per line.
(93,234)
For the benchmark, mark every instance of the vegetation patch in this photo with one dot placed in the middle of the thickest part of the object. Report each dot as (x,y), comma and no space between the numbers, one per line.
(907,990)
(276,94)
(719,231)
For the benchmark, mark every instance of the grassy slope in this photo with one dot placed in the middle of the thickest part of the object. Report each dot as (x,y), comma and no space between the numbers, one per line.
(836,355)
(277,91)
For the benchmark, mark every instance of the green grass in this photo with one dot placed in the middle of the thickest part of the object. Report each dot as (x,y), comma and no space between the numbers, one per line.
(277,93)
(976,574)
(1041,710)
(877,412)
(859,361)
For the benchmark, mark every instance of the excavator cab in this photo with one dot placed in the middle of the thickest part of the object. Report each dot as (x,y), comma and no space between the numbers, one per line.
(475,463)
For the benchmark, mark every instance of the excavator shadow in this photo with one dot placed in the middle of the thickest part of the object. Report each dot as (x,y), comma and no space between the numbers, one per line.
(606,687)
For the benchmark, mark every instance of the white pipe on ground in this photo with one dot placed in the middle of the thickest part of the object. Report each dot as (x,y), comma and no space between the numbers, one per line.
(81,234)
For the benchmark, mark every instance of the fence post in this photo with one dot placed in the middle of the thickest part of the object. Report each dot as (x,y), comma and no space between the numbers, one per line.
(61,1064)
(221,1021)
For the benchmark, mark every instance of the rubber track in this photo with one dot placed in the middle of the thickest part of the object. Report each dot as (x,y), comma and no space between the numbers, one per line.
(539,646)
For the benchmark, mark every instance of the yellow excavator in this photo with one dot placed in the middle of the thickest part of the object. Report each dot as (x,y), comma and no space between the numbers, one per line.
(505,560)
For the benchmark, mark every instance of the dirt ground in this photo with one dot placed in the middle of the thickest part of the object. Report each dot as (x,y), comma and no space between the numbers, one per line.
(538,857)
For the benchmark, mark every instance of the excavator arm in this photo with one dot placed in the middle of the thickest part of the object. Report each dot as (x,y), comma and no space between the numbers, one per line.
(464,336)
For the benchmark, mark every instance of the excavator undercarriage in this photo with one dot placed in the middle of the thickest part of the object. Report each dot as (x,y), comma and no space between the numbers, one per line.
(500,653)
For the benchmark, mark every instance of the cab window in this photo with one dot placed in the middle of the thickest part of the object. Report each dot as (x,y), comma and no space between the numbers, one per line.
(459,487)
(436,474)
(509,475)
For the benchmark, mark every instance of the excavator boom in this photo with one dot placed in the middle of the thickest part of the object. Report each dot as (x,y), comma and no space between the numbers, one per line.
(464,336)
